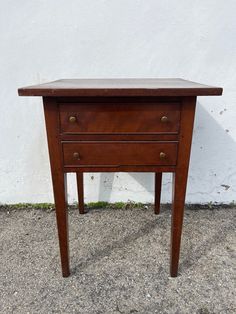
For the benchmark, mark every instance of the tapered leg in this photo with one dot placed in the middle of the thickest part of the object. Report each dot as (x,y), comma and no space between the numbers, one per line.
(180,179)
(158,180)
(80,189)
(179,189)
(60,196)
(58,179)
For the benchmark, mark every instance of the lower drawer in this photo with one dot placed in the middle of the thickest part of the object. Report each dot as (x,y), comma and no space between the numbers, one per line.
(119,153)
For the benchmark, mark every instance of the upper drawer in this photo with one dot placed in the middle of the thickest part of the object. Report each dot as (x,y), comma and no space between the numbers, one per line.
(119,118)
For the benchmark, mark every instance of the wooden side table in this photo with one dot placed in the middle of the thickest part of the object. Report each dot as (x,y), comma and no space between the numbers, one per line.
(120,125)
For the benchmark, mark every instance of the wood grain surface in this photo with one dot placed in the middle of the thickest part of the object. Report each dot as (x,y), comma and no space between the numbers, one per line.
(120,87)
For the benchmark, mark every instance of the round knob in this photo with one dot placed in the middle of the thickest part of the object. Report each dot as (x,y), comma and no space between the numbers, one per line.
(76,156)
(72,119)
(164,119)
(162,155)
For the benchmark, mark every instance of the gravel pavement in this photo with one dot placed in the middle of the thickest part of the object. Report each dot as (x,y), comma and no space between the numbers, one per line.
(119,262)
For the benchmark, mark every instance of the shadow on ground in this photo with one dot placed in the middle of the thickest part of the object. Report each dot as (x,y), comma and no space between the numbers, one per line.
(119,262)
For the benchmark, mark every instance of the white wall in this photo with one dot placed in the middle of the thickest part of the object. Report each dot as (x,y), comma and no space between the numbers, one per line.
(45,40)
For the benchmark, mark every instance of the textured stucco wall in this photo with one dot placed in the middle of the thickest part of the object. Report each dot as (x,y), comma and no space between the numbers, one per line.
(46,40)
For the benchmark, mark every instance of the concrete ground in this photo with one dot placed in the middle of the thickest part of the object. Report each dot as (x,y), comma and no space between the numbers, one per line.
(119,262)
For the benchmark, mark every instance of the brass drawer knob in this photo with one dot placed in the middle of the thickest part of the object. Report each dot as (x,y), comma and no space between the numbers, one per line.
(164,119)
(72,119)
(76,156)
(162,155)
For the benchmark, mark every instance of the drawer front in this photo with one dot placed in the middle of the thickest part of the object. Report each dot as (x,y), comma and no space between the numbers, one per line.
(119,153)
(118,118)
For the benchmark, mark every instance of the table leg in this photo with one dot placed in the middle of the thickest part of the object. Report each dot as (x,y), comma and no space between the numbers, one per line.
(180,178)
(58,179)
(60,196)
(80,189)
(158,180)
(179,190)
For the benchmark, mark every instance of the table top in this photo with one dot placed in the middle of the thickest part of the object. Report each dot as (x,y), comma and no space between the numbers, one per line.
(120,87)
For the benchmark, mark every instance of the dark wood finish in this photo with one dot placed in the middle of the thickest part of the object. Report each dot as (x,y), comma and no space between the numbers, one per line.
(119,169)
(115,125)
(180,179)
(120,87)
(157,201)
(58,180)
(119,153)
(117,99)
(80,190)
(106,118)
(120,137)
